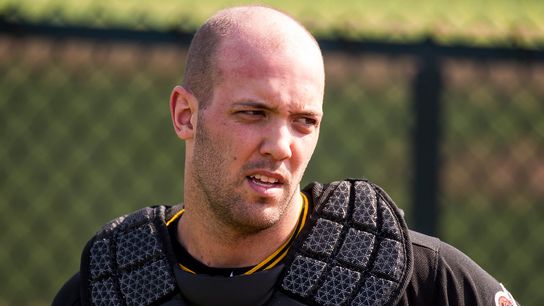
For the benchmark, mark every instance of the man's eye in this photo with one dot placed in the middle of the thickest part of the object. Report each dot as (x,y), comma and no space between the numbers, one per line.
(307,121)
(253,112)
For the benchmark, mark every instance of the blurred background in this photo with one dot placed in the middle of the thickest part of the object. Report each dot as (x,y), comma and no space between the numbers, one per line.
(439,102)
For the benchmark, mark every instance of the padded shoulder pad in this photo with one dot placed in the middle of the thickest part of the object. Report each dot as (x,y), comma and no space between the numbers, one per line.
(354,251)
(126,262)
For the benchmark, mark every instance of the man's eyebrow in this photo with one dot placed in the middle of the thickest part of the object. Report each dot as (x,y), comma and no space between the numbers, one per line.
(309,113)
(254,104)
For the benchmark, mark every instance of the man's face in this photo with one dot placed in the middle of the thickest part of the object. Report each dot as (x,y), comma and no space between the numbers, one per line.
(257,135)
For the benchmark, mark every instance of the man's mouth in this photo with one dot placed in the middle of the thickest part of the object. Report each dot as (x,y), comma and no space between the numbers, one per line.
(264,180)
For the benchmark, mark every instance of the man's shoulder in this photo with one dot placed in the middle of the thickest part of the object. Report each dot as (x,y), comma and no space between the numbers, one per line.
(161,213)
(441,253)
(420,240)
(70,293)
(133,250)
(449,276)
(356,242)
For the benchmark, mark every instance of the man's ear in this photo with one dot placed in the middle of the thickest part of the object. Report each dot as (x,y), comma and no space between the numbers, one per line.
(183,107)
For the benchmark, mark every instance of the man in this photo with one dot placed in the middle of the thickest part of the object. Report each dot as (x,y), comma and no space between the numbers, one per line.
(249,112)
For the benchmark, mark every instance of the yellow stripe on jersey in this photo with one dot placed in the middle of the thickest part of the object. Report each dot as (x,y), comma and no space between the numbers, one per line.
(274,258)
(184,268)
(177,215)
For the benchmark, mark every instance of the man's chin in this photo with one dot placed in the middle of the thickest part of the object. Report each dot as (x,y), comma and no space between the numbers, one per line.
(255,220)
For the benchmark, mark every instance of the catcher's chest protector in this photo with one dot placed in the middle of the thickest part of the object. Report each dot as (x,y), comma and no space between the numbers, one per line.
(129,261)
(355,250)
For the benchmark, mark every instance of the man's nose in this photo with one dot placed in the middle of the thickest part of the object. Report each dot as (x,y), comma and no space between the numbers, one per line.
(277,142)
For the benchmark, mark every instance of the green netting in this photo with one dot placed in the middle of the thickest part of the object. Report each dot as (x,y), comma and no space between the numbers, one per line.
(85,136)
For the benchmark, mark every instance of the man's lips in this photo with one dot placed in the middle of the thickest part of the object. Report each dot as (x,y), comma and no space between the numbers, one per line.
(266,179)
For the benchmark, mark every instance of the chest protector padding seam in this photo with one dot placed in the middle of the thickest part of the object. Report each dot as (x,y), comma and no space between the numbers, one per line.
(354,251)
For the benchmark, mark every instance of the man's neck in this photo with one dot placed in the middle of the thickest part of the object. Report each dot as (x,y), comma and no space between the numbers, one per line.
(225,247)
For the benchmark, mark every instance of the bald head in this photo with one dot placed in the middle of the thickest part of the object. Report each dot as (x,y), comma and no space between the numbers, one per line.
(233,36)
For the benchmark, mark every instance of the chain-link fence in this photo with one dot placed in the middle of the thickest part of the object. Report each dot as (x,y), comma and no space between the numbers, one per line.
(493,171)
(86,136)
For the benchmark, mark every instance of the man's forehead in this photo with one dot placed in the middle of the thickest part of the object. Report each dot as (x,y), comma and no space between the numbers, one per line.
(244,60)
(282,52)
(242,64)
(260,55)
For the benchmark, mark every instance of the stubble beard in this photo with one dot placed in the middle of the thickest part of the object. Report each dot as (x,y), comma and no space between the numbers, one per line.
(227,205)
